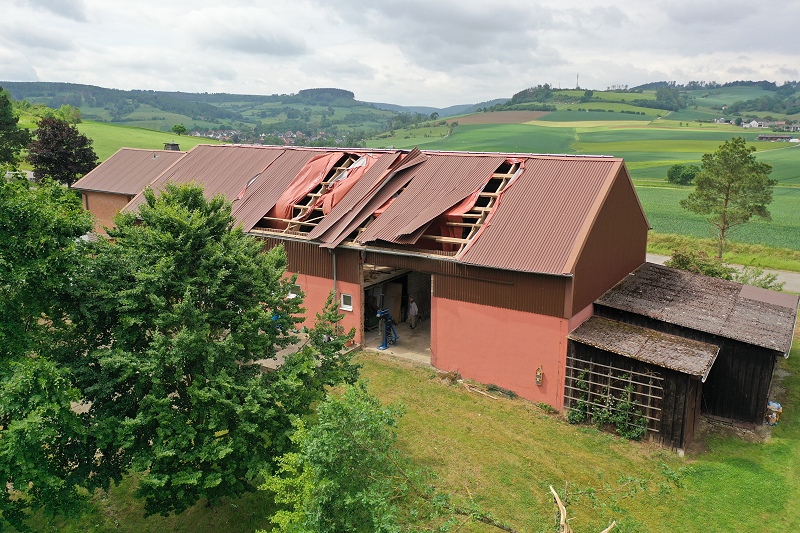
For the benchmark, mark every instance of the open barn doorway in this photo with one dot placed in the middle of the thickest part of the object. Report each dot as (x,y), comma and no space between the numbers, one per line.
(392,289)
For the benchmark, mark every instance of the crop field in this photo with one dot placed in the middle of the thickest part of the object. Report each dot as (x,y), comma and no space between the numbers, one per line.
(108,138)
(663,210)
(507,138)
(728,95)
(611,95)
(408,138)
(578,118)
(499,117)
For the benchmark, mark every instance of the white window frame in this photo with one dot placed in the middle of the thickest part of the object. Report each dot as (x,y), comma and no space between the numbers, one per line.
(345,306)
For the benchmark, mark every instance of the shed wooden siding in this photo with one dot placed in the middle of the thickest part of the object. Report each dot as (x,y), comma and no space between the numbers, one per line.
(738,384)
(615,246)
(680,403)
(748,371)
(309,258)
(520,291)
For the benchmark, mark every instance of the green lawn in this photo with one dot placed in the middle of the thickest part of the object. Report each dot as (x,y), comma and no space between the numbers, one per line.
(503,454)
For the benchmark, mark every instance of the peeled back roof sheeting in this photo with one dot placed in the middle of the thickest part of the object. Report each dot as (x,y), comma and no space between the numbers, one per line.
(438,184)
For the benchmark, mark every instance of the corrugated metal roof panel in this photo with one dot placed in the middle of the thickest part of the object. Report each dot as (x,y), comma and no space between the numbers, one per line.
(221,169)
(543,216)
(687,356)
(128,171)
(710,305)
(438,184)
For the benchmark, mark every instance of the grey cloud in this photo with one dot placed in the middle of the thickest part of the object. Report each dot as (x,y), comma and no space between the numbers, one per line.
(444,35)
(71,9)
(258,43)
(35,39)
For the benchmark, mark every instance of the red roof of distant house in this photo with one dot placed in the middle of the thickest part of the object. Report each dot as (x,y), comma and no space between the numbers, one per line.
(128,171)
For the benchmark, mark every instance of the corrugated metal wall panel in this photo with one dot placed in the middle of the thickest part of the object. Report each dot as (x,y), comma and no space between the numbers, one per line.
(309,258)
(615,245)
(530,293)
(533,293)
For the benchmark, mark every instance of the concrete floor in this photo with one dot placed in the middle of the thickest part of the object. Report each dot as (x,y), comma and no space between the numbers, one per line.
(413,344)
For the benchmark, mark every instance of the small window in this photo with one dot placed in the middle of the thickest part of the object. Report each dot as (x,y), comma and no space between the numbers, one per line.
(347,302)
(294,291)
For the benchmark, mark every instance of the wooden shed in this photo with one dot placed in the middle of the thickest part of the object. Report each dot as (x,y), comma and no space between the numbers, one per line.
(660,374)
(751,327)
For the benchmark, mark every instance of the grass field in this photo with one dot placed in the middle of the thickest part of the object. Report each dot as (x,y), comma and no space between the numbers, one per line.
(108,138)
(503,454)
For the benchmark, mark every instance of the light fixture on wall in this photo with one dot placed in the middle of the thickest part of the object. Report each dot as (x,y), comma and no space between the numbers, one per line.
(539,376)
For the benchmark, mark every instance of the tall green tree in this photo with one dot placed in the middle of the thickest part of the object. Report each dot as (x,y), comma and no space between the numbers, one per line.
(159,336)
(43,447)
(176,314)
(732,188)
(12,138)
(60,152)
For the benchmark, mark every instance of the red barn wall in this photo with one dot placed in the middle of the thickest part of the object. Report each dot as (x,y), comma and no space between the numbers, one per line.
(501,346)
(104,206)
(317,289)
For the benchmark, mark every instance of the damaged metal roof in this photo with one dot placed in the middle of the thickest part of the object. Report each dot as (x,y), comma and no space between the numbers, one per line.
(536,221)
(683,355)
(720,307)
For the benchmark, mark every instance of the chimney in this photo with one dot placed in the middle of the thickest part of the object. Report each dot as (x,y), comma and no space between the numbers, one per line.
(172,146)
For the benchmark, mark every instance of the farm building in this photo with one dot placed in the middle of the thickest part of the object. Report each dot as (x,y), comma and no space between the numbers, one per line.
(506,254)
(687,344)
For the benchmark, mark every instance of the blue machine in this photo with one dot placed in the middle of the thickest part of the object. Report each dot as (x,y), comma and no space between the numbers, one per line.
(389,334)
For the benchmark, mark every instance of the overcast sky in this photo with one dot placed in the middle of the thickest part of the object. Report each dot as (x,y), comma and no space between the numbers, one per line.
(411,52)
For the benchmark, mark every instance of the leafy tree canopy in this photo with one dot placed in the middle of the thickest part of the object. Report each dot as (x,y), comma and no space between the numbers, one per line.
(682,174)
(42,441)
(180,129)
(732,188)
(60,152)
(162,343)
(12,137)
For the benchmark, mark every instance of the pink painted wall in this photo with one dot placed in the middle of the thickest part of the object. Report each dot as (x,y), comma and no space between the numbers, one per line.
(501,346)
(316,291)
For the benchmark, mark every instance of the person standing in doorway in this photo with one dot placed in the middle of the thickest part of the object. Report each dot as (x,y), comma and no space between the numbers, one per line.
(413,311)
